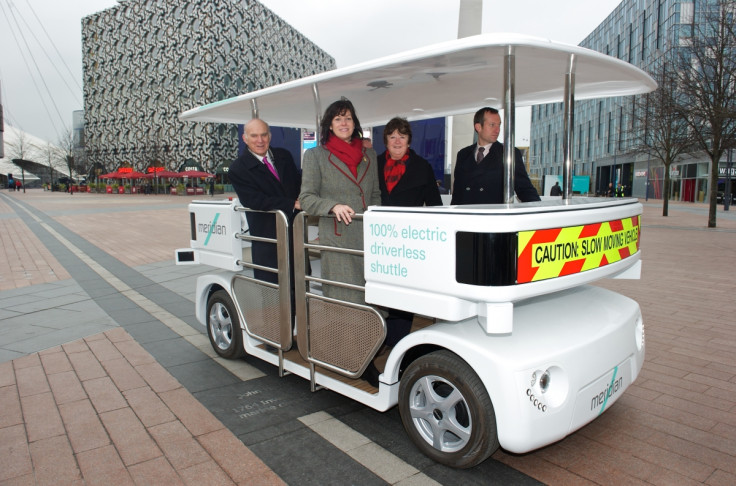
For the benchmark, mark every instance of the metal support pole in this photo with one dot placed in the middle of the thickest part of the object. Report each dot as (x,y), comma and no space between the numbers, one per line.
(569,132)
(2,124)
(646,198)
(317,111)
(509,110)
(727,189)
(254,108)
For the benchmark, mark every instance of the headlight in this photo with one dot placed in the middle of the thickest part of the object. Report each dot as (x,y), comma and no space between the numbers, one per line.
(547,387)
(639,333)
(544,381)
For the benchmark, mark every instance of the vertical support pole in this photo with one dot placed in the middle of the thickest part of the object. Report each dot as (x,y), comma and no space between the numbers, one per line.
(727,190)
(254,108)
(2,124)
(317,111)
(649,160)
(568,130)
(509,112)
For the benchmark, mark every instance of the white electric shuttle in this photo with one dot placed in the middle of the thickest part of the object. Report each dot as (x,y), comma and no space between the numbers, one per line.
(511,346)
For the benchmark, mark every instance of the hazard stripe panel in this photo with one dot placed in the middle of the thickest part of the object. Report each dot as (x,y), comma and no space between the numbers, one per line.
(556,252)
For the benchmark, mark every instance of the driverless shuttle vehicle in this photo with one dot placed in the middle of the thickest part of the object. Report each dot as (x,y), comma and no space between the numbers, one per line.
(511,346)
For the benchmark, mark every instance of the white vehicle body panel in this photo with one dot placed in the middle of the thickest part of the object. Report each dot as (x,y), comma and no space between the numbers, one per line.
(542,316)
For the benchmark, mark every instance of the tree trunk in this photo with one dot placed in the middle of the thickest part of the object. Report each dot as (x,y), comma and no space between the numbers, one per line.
(666,191)
(713,189)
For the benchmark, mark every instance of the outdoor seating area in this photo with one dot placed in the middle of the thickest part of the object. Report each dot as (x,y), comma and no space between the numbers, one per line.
(188,182)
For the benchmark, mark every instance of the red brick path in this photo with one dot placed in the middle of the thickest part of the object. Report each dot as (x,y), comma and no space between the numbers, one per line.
(103,411)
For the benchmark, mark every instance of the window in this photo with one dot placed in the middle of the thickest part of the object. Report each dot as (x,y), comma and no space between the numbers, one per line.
(660,21)
(580,141)
(631,43)
(686,13)
(643,33)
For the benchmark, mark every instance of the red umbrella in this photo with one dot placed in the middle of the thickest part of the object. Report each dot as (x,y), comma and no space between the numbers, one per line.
(162,174)
(122,175)
(195,174)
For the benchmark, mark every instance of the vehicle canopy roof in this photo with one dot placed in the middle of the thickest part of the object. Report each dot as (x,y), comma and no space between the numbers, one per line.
(444,79)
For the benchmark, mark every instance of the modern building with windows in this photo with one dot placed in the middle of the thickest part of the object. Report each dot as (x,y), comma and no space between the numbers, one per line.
(604,144)
(146,61)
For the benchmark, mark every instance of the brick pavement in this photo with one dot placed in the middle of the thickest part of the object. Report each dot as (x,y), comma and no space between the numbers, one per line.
(101,410)
(675,425)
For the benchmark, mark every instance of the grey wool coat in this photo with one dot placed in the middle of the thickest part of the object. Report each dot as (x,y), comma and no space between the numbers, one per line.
(326,181)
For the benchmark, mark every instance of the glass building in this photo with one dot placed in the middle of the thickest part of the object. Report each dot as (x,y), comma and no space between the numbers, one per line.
(147,61)
(604,147)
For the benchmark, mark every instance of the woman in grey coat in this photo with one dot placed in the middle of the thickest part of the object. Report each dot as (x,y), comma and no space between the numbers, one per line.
(340,178)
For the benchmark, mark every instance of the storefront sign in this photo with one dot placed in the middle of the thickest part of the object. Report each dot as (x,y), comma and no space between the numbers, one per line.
(723,171)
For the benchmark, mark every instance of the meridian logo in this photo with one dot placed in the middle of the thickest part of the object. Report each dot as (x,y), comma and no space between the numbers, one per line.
(601,399)
(212,228)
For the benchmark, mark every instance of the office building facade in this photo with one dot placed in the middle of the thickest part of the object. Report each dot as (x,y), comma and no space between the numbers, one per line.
(604,147)
(147,61)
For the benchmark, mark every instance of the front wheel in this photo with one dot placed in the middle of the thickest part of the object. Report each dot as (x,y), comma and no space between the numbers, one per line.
(223,326)
(446,410)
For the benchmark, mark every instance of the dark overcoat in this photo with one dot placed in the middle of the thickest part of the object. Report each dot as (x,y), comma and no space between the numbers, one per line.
(417,187)
(482,183)
(257,188)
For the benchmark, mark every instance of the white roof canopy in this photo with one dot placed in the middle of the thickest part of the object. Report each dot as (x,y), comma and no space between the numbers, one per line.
(451,78)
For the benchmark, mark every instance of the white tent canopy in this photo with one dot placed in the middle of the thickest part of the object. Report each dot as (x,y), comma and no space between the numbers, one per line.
(33,151)
(8,167)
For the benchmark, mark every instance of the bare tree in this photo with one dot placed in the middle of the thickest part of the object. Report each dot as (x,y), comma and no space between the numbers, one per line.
(707,79)
(66,146)
(665,135)
(22,148)
(53,157)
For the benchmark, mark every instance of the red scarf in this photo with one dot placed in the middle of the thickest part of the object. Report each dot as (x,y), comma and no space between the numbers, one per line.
(349,154)
(393,170)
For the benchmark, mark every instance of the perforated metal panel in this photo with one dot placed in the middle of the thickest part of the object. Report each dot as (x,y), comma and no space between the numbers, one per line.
(343,336)
(260,307)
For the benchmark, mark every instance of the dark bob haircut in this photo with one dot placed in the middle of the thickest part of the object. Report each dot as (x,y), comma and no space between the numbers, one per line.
(339,107)
(396,123)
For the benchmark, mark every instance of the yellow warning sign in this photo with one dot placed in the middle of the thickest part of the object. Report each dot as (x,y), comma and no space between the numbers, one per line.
(555,252)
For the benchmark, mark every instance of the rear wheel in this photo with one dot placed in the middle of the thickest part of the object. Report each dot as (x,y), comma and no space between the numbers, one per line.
(446,410)
(223,326)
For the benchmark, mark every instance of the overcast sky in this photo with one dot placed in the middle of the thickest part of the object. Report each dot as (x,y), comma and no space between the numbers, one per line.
(351,31)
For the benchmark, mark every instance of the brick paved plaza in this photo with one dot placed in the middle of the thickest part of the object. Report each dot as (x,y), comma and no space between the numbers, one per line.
(100,409)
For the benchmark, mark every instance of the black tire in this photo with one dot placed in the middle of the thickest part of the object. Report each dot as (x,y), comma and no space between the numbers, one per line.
(459,432)
(223,326)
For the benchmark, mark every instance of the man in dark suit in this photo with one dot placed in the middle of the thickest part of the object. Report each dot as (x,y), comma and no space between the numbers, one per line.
(479,167)
(265,179)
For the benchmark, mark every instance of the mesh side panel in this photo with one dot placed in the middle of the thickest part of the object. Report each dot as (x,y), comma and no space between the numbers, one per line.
(342,336)
(260,307)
